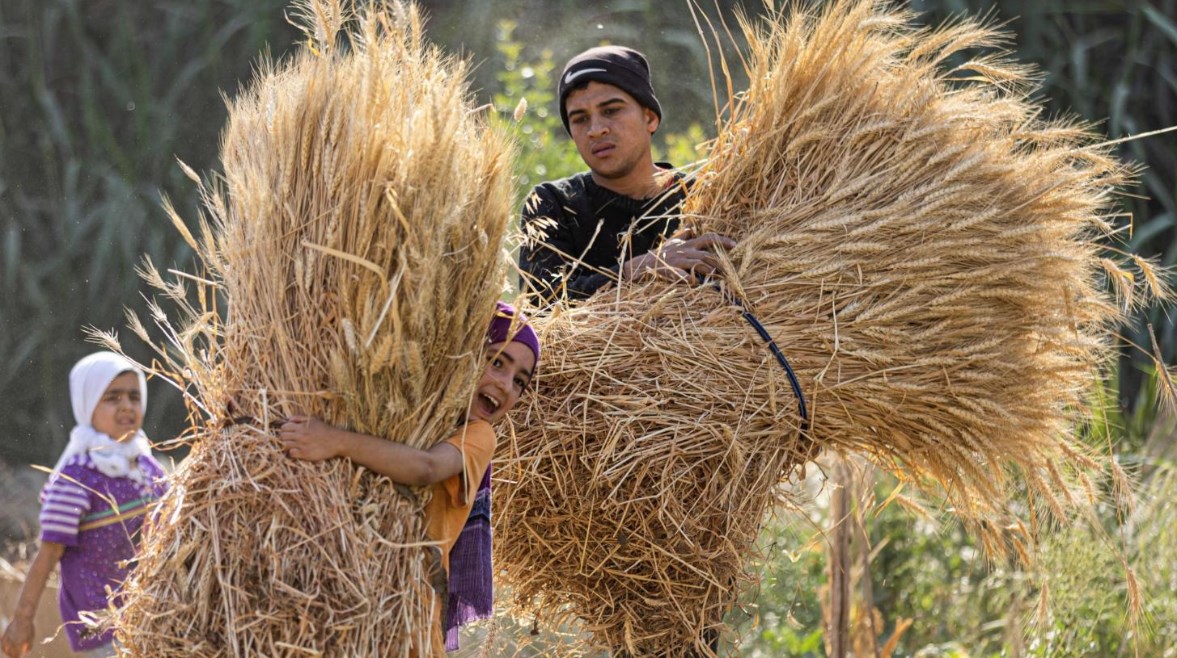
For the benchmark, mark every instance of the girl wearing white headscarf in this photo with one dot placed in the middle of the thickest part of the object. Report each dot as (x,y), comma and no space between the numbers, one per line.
(103,485)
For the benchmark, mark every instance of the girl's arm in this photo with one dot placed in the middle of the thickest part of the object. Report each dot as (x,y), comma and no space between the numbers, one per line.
(19,635)
(313,440)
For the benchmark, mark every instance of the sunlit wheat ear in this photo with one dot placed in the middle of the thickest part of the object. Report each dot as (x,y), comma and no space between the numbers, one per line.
(355,178)
(925,249)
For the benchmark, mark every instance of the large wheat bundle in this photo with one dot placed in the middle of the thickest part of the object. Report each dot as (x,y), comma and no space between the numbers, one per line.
(923,247)
(357,241)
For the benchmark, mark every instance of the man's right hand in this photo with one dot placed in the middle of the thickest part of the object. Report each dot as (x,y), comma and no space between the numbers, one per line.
(683,257)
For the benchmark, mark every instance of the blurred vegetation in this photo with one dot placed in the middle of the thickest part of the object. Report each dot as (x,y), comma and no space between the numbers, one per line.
(98,98)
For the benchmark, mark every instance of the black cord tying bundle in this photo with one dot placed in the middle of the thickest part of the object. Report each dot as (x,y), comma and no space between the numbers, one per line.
(751,318)
(780,357)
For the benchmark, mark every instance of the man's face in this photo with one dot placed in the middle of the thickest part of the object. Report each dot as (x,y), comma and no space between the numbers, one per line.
(611,129)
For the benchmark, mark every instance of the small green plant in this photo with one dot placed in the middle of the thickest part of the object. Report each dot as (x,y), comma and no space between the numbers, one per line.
(782,617)
(526,106)
(685,149)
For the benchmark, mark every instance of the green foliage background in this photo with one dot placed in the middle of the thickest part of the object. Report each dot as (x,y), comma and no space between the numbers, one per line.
(98,98)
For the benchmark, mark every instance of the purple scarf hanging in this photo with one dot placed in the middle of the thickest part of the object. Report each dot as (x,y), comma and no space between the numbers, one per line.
(471,582)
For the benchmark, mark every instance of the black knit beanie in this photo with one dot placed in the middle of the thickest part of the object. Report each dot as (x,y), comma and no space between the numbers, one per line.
(624,68)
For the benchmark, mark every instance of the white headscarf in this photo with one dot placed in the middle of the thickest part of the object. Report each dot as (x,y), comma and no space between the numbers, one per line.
(87,383)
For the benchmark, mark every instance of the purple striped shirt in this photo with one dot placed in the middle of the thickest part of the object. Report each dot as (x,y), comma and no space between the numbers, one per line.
(97,518)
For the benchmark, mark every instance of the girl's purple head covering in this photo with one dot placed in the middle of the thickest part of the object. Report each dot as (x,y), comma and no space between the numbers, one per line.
(501,327)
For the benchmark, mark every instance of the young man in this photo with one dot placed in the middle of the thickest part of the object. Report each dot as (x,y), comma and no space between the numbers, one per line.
(611,222)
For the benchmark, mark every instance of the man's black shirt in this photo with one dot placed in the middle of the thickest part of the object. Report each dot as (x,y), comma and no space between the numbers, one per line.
(576,233)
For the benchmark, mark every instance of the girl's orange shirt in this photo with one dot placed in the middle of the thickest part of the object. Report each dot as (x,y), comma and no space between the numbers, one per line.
(448,509)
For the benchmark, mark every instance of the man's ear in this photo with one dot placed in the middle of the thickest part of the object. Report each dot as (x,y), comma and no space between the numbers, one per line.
(652,120)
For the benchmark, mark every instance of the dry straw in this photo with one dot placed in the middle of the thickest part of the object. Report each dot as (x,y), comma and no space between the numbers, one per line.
(352,255)
(925,248)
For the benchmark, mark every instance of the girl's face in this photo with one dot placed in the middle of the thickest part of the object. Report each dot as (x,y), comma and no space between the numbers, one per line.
(119,413)
(509,367)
